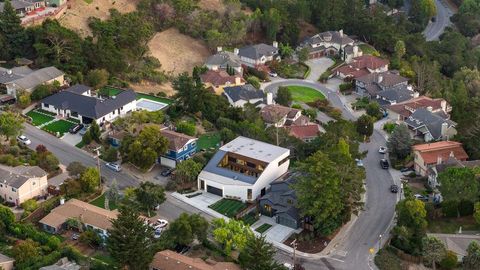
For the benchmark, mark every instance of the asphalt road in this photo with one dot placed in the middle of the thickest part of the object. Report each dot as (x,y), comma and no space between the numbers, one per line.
(379,209)
(435,29)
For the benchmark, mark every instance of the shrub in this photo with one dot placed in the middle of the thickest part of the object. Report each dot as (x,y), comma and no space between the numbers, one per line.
(253,81)
(387,260)
(389,127)
(450,208)
(41,91)
(450,261)
(186,128)
(29,205)
(87,138)
(344,87)
(110,155)
(465,208)
(9,160)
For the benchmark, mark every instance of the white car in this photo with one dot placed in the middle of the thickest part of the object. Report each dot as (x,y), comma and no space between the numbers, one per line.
(162,223)
(157,233)
(359,162)
(421,197)
(113,166)
(23,140)
(273,74)
(382,150)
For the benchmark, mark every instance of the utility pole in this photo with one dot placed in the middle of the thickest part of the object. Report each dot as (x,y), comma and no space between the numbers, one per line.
(97,150)
(294,245)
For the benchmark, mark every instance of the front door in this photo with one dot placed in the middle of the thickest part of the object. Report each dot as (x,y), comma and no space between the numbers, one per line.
(202,185)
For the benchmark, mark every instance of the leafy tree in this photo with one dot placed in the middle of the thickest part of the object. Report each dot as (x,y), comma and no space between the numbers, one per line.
(29,205)
(472,260)
(91,238)
(433,250)
(130,240)
(14,35)
(144,149)
(412,214)
(271,22)
(284,96)
(24,99)
(149,195)
(286,50)
(41,92)
(450,260)
(89,179)
(476,214)
(459,184)
(187,173)
(227,135)
(303,55)
(97,78)
(258,254)
(94,131)
(113,193)
(365,125)
(399,143)
(186,228)
(48,161)
(110,154)
(25,251)
(423,10)
(186,128)
(400,49)
(11,125)
(7,218)
(254,81)
(232,234)
(75,168)
(373,109)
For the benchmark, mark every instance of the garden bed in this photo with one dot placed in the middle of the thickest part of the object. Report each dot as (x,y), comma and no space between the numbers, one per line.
(228,207)
(307,242)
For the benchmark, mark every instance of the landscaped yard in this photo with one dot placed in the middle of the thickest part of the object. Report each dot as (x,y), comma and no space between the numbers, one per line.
(38,118)
(60,126)
(304,94)
(209,140)
(115,91)
(100,202)
(367,49)
(263,228)
(228,207)
(249,218)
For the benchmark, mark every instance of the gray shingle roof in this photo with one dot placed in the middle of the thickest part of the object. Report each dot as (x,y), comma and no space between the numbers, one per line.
(16,4)
(329,36)
(257,51)
(78,89)
(397,94)
(224,59)
(25,78)
(432,122)
(89,106)
(17,176)
(243,92)
(277,195)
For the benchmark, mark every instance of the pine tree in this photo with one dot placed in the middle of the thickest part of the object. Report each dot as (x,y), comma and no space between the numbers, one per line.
(258,254)
(12,31)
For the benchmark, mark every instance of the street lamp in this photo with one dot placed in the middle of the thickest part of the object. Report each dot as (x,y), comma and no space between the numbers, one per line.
(97,150)
(380,242)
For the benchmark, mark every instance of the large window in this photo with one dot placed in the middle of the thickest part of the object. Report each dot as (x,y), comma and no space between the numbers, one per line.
(282,161)
(249,194)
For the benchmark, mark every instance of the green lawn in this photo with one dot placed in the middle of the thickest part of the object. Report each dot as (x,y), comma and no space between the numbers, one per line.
(80,144)
(207,141)
(228,207)
(60,126)
(304,94)
(263,228)
(367,49)
(100,202)
(38,118)
(115,91)
(46,112)
(249,218)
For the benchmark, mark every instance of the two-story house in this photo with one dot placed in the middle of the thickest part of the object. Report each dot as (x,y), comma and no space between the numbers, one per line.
(224,60)
(240,95)
(430,154)
(430,126)
(243,169)
(451,162)
(362,65)
(21,183)
(26,79)
(180,147)
(403,110)
(371,84)
(217,80)
(258,55)
(331,43)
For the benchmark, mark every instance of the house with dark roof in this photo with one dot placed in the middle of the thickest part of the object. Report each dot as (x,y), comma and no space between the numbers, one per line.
(217,80)
(24,78)
(180,147)
(224,60)
(402,110)
(243,169)
(77,102)
(258,54)
(331,43)
(361,66)
(430,154)
(451,162)
(240,95)
(430,126)
(21,183)
(386,87)
(394,95)
(21,7)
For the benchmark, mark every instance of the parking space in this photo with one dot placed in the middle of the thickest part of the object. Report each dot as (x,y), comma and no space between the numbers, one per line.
(201,202)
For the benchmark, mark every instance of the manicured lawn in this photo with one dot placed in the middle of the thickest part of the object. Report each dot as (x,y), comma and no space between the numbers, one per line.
(60,126)
(38,118)
(263,228)
(100,202)
(45,112)
(228,207)
(249,218)
(207,141)
(367,49)
(304,94)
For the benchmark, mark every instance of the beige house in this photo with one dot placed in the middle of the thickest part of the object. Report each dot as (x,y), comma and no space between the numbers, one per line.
(18,184)
(170,260)
(428,155)
(217,80)
(6,263)
(26,79)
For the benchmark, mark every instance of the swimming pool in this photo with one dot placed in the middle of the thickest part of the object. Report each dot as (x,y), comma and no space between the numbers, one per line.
(150,105)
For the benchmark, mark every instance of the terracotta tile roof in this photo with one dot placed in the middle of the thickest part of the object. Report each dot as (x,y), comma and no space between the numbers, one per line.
(369,61)
(431,152)
(169,260)
(304,132)
(406,108)
(176,140)
(274,113)
(351,71)
(219,77)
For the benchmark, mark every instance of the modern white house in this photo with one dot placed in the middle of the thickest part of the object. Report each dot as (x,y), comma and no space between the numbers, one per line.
(243,169)
(77,102)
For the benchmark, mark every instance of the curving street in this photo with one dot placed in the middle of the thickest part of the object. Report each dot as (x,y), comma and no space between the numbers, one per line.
(442,20)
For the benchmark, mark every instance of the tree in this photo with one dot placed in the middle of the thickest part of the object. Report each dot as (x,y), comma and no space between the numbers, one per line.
(450,260)
(187,173)
(7,218)
(23,99)
(399,143)
(89,179)
(130,240)
(286,50)
(25,251)
(232,234)
(258,254)
(75,168)
(271,23)
(433,250)
(48,161)
(14,35)
(303,55)
(254,81)
(284,96)
(94,131)
(412,214)
(113,194)
(144,149)
(472,260)
(11,125)
(365,125)
(400,49)
(373,109)
(459,184)
(29,205)
(476,214)
(149,195)
(97,78)
(422,10)
(186,228)
(91,238)
(41,92)
(186,128)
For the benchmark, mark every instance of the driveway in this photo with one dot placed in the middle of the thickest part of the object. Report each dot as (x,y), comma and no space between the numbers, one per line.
(72,139)
(317,67)
(276,233)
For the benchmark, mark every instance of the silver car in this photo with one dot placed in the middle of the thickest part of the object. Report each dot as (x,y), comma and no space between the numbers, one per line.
(113,166)
(24,140)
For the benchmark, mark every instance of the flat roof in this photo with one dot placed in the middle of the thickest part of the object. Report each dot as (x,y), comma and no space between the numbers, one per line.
(255,149)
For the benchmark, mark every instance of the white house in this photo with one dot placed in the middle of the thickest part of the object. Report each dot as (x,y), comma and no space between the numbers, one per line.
(259,54)
(243,169)
(77,102)
(331,43)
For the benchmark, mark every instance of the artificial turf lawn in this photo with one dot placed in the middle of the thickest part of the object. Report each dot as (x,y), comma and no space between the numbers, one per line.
(228,207)
(38,118)
(304,94)
(263,228)
(207,141)
(60,126)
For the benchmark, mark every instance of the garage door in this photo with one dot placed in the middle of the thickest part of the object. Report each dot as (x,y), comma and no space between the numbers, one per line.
(168,162)
(215,190)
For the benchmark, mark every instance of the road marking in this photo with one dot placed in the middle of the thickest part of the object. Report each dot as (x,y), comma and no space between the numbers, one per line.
(327,264)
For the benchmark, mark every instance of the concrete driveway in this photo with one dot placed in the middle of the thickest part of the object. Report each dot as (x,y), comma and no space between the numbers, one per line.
(318,66)
(277,233)
(72,139)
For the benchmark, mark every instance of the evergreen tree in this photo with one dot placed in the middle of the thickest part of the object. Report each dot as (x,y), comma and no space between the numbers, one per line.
(12,31)
(258,254)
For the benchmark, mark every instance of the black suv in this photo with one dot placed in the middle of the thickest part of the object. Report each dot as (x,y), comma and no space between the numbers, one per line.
(394,188)
(76,128)
(384,163)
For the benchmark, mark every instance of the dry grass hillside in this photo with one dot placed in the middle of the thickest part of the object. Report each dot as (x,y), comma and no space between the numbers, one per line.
(212,5)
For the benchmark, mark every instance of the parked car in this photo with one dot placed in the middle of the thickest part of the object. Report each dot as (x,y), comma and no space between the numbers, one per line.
(382,150)
(167,172)
(113,166)
(272,74)
(359,162)
(24,140)
(75,236)
(75,129)
(83,130)
(157,233)
(407,171)
(162,223)
(421,197)
(384,164)
(394,188)
(288,266)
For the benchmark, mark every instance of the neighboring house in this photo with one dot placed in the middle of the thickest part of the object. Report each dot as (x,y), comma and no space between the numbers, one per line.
(279,116)
(371,84)
(57,3)
(361,66)
(217,80)
(21,7)
(224,60)
(180,147)
(430,126)
(21,183)
(6,263)
(90,216)
(458,243)
(25,79)
(62,264)
(259,54)
(280,202)
(394,95)
(243,169)
(306,133)
(240,95)
(76,102)
(402,110)
(331,43)
(430,154)
(451,162)
(170,260)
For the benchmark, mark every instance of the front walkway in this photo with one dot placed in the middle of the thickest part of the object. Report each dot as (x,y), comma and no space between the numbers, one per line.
(201,202)
(277,233)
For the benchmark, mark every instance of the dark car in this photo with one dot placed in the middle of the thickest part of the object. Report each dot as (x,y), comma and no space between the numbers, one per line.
(75,129)
(166,172)
(384,163)
(394,188)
